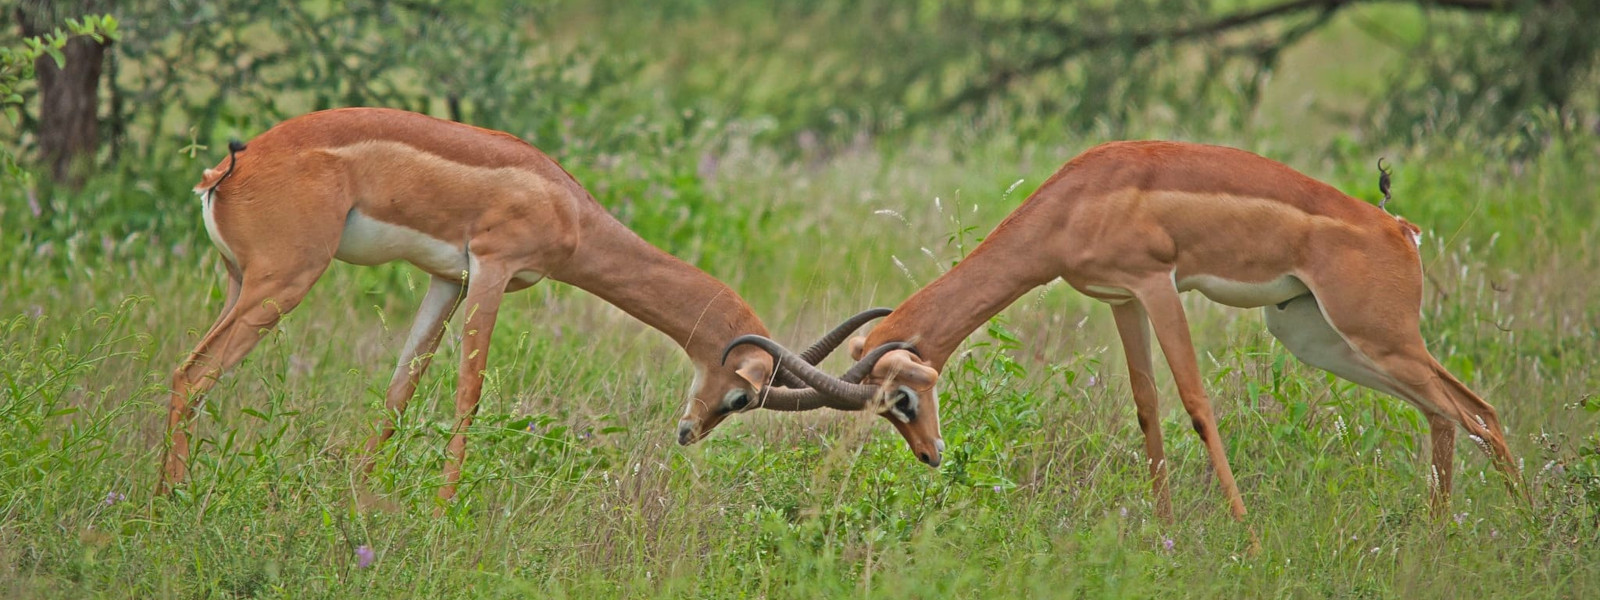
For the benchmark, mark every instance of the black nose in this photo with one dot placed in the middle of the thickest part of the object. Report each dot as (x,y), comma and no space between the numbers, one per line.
(685,433)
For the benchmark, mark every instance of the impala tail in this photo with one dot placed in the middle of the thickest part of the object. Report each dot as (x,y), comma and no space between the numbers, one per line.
(214,177)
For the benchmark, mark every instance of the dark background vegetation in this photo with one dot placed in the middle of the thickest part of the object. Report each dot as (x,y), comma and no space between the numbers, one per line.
(589,79)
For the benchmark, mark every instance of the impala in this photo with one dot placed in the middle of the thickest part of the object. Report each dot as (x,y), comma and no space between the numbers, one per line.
(1134,224)
(483,213)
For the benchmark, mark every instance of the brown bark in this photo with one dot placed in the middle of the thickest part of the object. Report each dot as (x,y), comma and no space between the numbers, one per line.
(69,98)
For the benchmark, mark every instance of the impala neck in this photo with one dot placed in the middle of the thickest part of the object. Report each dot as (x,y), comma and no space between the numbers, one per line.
(939,316)
(696,310)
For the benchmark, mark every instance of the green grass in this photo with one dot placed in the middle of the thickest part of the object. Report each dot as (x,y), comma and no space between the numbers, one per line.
(575,488)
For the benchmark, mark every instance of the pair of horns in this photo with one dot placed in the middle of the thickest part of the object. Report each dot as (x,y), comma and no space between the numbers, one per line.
(845,392)
(820,350)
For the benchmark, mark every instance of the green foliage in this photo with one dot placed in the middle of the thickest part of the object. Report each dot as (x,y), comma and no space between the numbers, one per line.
(1529,76)
(16,68)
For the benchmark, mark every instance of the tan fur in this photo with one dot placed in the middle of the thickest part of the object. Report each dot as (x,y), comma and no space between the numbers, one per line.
(1125,221)
(509,209)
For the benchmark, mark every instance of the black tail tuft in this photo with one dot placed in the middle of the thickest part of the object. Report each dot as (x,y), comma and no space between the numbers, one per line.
(234,148)
(1383,182)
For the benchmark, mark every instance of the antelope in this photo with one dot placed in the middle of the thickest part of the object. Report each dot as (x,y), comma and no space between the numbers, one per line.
(1134,224)
(483,213)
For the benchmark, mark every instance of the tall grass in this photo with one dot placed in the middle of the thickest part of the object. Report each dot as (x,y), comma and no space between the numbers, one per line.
(574,487)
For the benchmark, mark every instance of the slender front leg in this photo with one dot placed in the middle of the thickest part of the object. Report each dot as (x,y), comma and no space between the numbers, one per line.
(485,289)
(1134,329)
(1161,300)
(438,305)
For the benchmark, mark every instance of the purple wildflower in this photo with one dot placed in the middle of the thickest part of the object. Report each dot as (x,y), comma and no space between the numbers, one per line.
(1168,544)
(114,497)
(1123,511)
(364,556)
(997,489)
(1461,518)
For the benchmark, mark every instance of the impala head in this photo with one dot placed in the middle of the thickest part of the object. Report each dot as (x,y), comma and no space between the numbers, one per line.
(744,379)
(889,379)
(912,379)
(720,390)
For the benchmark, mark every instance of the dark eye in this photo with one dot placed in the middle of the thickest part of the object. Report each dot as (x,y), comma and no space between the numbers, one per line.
(736,401)
(905,405)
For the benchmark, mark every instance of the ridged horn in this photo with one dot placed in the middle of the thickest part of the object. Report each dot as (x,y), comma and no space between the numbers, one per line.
(846,393)
(826,345)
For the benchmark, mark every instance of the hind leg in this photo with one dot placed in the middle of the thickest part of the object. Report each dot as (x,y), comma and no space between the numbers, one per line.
(260,302)
(269,274)
(1373,339)
(1301,327)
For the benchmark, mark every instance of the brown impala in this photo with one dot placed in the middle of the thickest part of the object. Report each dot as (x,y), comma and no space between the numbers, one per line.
(1134,224)
(481,211)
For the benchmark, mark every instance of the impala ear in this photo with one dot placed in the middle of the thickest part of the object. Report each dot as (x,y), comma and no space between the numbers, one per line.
(907,367)
(755,371)
(858,347)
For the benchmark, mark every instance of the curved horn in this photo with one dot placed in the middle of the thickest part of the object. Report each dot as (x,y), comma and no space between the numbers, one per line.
(823,346)
(780,376)
(845,393)
(801,400)
(827,343)
(783,378)
(857,371)
(863,367)
(853,393)
(812,376)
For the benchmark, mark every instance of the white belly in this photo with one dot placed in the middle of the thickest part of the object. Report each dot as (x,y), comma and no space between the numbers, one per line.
(368,241)
(1244,294)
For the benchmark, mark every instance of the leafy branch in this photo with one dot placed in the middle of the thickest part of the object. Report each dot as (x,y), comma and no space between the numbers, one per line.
(17,63)
(1077,41)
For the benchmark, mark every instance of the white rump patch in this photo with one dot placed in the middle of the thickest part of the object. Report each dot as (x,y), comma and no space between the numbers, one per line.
(207,203)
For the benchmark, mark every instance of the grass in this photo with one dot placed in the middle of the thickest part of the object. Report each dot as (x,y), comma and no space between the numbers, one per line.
(574,487)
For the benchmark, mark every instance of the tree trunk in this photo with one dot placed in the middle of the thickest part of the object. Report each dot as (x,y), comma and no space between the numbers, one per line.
(69,99)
